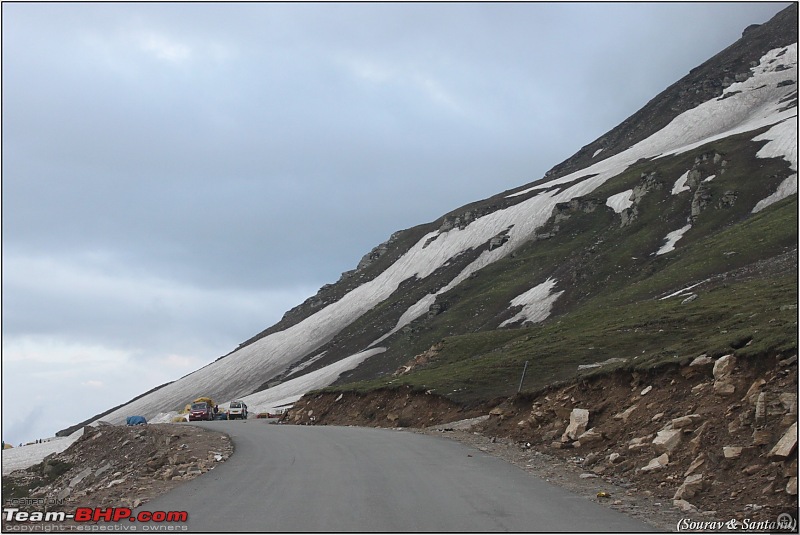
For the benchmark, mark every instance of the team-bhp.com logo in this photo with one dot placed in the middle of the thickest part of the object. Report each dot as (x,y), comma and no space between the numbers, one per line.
(118,514)
(91,515)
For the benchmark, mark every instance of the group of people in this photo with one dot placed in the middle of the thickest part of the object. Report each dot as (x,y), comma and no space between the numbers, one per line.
(38,441)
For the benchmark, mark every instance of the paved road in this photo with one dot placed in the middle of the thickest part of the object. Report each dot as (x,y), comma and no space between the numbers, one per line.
(285,478)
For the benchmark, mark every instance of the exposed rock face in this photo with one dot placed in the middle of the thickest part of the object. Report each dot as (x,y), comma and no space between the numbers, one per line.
(702,198)
(564,210)
(649,182)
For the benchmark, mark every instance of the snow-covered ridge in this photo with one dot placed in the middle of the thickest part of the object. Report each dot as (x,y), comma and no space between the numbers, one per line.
(749,105)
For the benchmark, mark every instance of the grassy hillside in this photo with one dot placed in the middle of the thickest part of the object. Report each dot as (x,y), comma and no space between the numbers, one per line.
(747,304)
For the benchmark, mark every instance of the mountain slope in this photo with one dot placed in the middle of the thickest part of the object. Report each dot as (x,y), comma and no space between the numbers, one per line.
(700,183)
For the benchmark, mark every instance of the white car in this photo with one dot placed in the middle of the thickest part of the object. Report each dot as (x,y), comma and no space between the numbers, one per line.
(238,409)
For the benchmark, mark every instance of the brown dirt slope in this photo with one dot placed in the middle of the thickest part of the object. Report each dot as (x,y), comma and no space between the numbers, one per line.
(117,466)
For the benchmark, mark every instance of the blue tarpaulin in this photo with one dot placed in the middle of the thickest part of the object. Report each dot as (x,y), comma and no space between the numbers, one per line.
(136,420)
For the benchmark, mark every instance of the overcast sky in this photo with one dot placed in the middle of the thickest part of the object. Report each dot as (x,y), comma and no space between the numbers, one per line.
(176,176)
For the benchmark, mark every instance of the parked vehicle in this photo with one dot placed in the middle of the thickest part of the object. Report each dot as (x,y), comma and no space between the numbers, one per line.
(201,410)
(238,409)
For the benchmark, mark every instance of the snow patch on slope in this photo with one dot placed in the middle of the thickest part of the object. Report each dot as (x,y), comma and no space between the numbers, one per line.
(782,144)
(536,303)
(671,239)
(680,184)
(621,201)
(290,391)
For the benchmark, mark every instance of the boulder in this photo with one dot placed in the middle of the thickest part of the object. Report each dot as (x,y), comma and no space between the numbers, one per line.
(697,463)
(578,422)
(790,469)
(497,411)
(789,401)
(761,407)
(590,436)
(786,444)
(724,366)
(656,464)
(690,487)
(690,420)
(667,440)
(685,506)
(723,388)
(732,452)
(752,469)
(702,360)
(639,442)
(761,437)
(791,486)
(755,389)
(624,415)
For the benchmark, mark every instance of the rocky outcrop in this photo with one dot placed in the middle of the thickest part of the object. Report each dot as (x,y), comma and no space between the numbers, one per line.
(648,182)
(563,210)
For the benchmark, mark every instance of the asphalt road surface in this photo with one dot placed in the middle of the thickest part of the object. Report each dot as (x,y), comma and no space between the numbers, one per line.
(285,478)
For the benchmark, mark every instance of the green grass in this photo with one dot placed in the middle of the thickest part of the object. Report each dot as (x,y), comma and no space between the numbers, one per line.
(751,317)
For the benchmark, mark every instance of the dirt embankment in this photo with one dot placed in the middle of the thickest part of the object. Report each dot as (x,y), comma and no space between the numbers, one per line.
(714,439)
(116,466)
